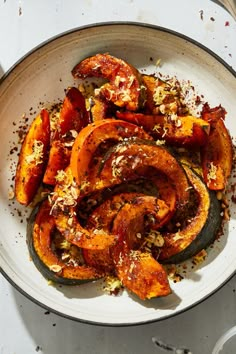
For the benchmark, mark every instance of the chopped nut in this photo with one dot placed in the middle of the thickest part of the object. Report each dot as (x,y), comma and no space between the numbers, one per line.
(55,268)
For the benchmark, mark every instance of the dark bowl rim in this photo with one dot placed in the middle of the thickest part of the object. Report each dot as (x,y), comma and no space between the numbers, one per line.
(64,34)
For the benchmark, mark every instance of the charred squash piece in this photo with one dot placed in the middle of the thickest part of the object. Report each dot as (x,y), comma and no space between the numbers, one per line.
(142,275)
(124,88)
(127,161)
(217,157)
(99,259)
(73,114)
(200,232)
(102,218)
(166,192)
(74,233)
(73,117)
(64,201)
(99,109)
(89,139)
(59,159)
(163,96)
(212,115)
(41,227)
(104,215)
(180,130)
(33,159)
(138,271)
(151,84)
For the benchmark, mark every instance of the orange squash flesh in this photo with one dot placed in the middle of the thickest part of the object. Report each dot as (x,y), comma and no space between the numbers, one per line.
(183,130)
(64,212)
(124,164)
(124,87)
(99,109)
(217,157)
(138,271)
(143,275)
(198,233)
(74,233)
(73,117)
(73,114)
(89,139)
(59,159)
(30,168)
(102,218)
(46,259)
(166,192)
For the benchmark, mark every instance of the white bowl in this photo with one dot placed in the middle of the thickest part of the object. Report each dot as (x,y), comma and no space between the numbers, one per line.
(40,78)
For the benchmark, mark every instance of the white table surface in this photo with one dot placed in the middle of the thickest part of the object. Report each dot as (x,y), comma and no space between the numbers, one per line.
(26,328)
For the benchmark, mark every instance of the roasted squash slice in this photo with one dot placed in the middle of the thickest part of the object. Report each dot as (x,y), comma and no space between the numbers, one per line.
(73,117)
(127,161)
(63,204)
(33,159)
(163,97)
(89,139)
(166,192)
(41,227)
(102,218)
(200,232)
(125,82)
(99,109)
(73,114)
(138,271)
(175,130)
(59,159)
(217,157)
(212,115)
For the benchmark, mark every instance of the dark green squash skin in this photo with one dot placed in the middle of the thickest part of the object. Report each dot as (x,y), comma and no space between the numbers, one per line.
(207,234)
(43,269)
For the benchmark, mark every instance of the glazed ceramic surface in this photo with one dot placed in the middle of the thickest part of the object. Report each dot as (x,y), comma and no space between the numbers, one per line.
(40,79)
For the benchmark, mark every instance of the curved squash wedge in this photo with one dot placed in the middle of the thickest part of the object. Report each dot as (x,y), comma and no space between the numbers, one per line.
(89,139)
(180,130)
(166,192)
(99,109)
(33,159)
(127,161)
(73,114)
(63,204)
(59,159)
(41,226)
(138,271)
(124,88)
(217,157)
(73,117)
(102,218)
(202,229)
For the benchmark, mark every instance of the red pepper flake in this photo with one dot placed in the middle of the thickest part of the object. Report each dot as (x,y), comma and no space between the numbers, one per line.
(226,23)
(212,19)
(233,198)
(201,14)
